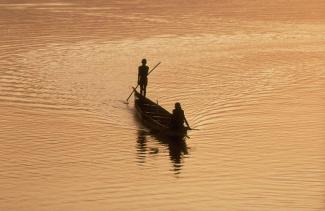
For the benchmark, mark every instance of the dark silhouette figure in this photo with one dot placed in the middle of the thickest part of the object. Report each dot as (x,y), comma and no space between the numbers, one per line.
(178,118)
(177,149)
(141,146)
(143,77)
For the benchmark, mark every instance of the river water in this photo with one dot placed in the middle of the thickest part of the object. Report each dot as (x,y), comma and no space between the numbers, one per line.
(250,76)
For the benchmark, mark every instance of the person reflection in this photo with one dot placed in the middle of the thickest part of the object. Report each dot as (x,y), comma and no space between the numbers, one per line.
(177,150)
(141,146)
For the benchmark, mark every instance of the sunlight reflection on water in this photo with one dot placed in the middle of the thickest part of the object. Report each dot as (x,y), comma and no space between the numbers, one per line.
(250,82)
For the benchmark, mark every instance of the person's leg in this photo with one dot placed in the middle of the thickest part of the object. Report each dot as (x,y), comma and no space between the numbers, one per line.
(141,89)
(145,87)
(144,90)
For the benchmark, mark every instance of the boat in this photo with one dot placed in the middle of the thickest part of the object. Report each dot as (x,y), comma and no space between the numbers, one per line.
(156,118)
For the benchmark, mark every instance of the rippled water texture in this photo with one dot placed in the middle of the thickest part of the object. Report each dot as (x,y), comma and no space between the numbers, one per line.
(250,76)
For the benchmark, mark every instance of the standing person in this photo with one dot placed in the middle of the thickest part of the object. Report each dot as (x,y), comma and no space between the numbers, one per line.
(178,118)
(143,77)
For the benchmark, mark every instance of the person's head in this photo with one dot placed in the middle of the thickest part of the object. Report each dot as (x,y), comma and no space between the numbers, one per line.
(144,61)
(178,105)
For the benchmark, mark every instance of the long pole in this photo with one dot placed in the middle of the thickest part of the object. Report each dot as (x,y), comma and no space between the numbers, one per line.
(127,99)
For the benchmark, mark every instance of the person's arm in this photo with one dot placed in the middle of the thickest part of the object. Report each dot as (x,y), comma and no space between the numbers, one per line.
(139,73)
(147,72)
(186,121)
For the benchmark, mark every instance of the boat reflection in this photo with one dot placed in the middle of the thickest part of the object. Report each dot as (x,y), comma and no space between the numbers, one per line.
(177,148)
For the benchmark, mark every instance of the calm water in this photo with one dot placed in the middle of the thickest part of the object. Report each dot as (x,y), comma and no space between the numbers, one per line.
(249,74)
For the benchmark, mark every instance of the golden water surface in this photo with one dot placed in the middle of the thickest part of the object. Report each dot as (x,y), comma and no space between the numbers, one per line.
(250,76)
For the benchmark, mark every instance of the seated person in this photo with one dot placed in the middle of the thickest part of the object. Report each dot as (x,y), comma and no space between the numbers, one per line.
(178,118)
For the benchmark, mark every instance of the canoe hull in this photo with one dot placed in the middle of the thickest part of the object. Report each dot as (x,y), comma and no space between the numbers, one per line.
(156,118)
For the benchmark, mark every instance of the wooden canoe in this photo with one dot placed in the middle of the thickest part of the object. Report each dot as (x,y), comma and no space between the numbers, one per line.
(155,117)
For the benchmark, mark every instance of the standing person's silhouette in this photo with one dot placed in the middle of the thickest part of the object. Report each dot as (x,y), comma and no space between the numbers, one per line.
(143,77)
